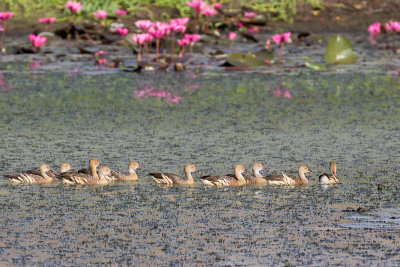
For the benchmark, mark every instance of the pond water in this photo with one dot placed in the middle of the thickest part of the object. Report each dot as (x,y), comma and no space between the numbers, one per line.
(213,120)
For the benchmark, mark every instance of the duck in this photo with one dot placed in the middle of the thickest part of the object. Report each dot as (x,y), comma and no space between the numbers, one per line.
(286,179)
(64,169)
(173,179)
(132,167)
(226,180)
(83,178)
(45,175)
(92,170)
(330,178)
(256,178)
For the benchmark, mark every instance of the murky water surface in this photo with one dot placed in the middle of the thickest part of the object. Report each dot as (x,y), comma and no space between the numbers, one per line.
(218,119)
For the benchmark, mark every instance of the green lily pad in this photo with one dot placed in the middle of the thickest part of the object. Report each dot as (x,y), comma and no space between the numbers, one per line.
(315,66)
(339,51)
(256,59)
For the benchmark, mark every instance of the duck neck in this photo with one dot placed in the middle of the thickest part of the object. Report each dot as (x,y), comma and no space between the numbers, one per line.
(45,176)
(132,175)
(189,177)
(240,178)
(333,170)
(259,176)
(303,178)
(93,171)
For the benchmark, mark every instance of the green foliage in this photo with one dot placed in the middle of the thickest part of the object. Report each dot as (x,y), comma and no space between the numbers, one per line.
(284,9)
(279,9)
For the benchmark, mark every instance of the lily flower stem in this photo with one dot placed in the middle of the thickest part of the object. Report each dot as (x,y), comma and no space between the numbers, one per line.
(139,55)
(3,35)
(172,45)
(146,48)
(191,49)
(281,52)
(181,52)
(165,48)
(157,47)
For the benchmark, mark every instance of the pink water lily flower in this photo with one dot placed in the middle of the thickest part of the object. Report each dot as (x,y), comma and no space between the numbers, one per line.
(157,33)
(209,11)
(192,37)
(144,25)
(374,28)
(177,28)
(6,15)
(120,12)
(122,31)
(217,5)
(240,25)
(140,38)
(162,26)
(281,38)
(47,20)
(287,94)
(1,29)
(392,26)
(36,40)
(232,36)
(183,42)
(98,53)
(197,6)
(102,61)
(100,14)
(277,92)
(249,15)
(179,21)
(73,6)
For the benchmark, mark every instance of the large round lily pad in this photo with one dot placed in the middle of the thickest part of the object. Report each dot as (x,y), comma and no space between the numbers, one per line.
(339,51)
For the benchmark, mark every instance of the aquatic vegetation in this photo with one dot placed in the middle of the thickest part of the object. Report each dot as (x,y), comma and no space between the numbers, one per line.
(140,39)
(389,28)
(281,39)
(4,16)
(98,57)
(232,36)
(182,43)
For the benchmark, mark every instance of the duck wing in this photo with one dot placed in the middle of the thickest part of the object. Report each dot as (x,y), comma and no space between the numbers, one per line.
(78,178)
(27,178)
(166,178)
(219,180)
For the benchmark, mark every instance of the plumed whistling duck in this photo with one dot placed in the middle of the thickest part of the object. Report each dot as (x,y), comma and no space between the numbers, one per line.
(45,175)
(286,179)
(132,167)
(82,178)
(171,179)
(330,178)
(92,171)
(225,180)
